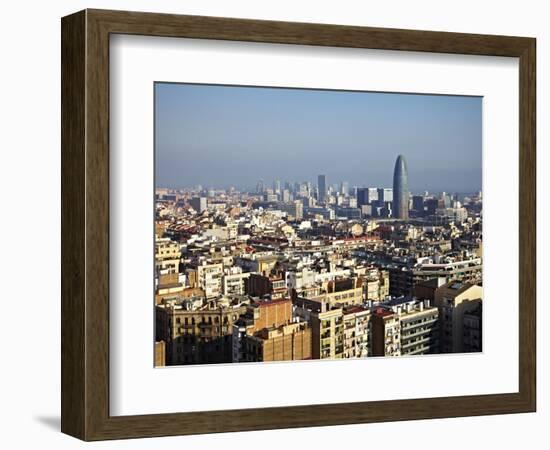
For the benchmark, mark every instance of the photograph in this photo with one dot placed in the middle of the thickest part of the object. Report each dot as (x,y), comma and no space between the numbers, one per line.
(261,225)
(304,224)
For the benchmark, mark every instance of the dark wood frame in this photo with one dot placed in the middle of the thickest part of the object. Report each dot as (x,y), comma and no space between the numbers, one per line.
(85,224)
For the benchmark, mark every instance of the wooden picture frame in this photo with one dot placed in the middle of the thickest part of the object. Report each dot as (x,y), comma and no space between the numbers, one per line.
(85,224)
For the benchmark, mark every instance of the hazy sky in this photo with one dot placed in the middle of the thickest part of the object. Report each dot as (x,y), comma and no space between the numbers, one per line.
(221,136)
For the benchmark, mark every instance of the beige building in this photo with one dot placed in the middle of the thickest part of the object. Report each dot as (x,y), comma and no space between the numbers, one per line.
(356,332)
(197,335)
(454,300)
(376,284)
(328,334)
(235,283)
(168,285)
(262,264)
(167,256)
(207,277)
(284,343)
(160,354)
(268,332)
(341,292)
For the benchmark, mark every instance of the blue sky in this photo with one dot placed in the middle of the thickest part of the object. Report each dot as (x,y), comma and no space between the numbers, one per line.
(221,136)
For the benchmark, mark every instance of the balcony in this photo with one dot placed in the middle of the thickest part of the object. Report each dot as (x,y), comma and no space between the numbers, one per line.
(420,332)
(417,342)
(415,324)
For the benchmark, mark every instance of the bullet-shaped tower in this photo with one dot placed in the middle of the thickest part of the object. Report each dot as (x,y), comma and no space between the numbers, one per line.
(400,189)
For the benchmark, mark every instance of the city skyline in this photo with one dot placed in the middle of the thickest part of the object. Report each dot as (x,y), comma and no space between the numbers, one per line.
(243,134)
(296,225)
(400,185)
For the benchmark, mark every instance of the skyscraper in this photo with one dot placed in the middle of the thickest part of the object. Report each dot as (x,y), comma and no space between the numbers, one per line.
(400,189)
(344,188)
(362,196)
(322,187)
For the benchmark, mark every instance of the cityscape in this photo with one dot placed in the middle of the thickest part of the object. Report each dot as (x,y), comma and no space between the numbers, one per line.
(316,267)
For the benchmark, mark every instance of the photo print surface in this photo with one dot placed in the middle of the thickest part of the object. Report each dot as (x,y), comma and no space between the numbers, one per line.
(302,224)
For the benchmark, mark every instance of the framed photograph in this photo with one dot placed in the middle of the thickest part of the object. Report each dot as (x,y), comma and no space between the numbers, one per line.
(273,225)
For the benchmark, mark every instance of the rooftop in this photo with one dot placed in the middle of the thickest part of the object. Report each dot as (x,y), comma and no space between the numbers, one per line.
(399,301)
(382,312)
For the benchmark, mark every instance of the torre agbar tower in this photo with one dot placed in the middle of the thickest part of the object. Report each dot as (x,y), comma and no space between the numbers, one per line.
(400,189)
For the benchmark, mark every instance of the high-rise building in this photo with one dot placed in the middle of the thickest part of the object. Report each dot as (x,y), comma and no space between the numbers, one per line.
(400,205)
(344,188)
(295,209)
(418,204)
(385,195)
(372,195)
(285,197)
(199,204)
(322,187)
(362,196)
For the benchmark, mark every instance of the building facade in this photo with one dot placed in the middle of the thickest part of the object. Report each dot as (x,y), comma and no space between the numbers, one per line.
(455,300)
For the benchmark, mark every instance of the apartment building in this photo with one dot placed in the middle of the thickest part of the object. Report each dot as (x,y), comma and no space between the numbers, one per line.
(268,332)
(235,283)
(273,285)
(376,284)
(386,336)
(284,343)
(167,256)
(418,325)
(197,335)
(345,291)
(356,331)
(472,334)
(160,354)
(208,277)
(403,279)
(455,300)
(327,334)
